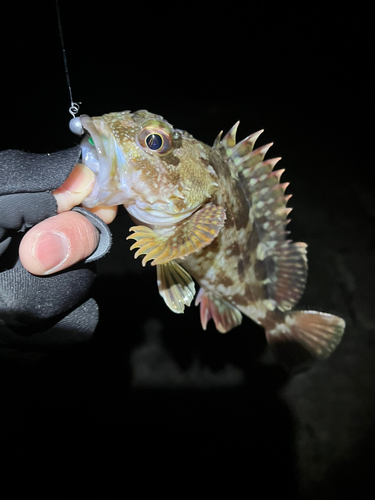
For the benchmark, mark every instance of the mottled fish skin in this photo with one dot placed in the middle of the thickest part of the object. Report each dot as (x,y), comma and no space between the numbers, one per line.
(226,266)
(219,213)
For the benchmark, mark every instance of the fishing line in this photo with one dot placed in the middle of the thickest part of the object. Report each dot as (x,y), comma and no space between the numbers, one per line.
(74,106)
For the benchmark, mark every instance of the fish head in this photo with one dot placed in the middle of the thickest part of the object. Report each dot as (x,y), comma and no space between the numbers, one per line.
(160,174)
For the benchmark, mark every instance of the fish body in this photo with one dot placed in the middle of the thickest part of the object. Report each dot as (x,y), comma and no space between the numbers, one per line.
(216,214)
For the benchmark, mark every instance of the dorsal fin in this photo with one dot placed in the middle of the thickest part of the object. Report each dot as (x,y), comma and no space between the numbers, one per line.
(216,144)
(252,159)
(229,140)
(243,149)
(261,185)
(236,152)
(267,199)
(285,262)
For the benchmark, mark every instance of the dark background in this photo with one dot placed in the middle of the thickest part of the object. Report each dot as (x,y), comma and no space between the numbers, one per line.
(154,404)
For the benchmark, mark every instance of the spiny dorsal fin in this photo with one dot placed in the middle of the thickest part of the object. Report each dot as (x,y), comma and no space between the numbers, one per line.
(245,146)
(252,165)
(235,152)
(261,185)
(229,140)
(285,262)
(268,206)
(216,143)
(243,157)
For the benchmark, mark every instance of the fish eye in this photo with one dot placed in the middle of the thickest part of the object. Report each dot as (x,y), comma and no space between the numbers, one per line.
(154,141)
(155,137)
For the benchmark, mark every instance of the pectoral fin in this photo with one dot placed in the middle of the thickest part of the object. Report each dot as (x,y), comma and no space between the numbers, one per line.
(175,286)
(193,234)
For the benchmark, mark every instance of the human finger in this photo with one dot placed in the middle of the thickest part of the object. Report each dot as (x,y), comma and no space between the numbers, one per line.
(58,243)
(75,189)
(107,214)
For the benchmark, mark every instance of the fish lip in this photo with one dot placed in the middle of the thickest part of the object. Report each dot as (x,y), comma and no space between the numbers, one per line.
(96,158)
(101,156)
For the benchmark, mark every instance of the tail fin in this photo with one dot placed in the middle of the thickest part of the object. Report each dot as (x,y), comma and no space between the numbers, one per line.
(318,332)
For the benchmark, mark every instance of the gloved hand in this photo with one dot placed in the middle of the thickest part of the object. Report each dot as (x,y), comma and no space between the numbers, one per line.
(52,309)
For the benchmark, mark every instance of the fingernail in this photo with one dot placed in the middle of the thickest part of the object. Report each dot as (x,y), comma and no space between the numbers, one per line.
(51,249)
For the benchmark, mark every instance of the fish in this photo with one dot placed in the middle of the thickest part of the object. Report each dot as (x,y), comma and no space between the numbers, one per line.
(216,216)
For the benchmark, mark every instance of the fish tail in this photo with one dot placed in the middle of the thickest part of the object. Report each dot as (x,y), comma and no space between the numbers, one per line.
(317,332)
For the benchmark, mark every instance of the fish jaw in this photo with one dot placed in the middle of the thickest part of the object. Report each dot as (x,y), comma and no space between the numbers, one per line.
(102,154)
(156,215)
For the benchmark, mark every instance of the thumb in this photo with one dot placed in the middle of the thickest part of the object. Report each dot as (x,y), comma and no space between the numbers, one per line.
(57,243)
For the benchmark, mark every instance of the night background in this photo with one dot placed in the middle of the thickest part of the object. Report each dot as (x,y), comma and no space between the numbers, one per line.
(154,404)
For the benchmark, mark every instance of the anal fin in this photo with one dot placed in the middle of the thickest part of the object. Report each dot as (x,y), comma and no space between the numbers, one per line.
(175,286)
(192,234)
(225,316)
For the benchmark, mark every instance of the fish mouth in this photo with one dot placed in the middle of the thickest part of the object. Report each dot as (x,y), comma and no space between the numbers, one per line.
(91,145)
(101,154)
(94,157)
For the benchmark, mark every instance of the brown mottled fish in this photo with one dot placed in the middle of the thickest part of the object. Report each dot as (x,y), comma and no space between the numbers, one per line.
(216,214)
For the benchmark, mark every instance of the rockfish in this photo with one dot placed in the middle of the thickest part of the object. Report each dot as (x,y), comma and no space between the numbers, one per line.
(216,214)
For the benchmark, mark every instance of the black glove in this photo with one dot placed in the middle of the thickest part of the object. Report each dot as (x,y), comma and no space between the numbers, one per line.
(41,311)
